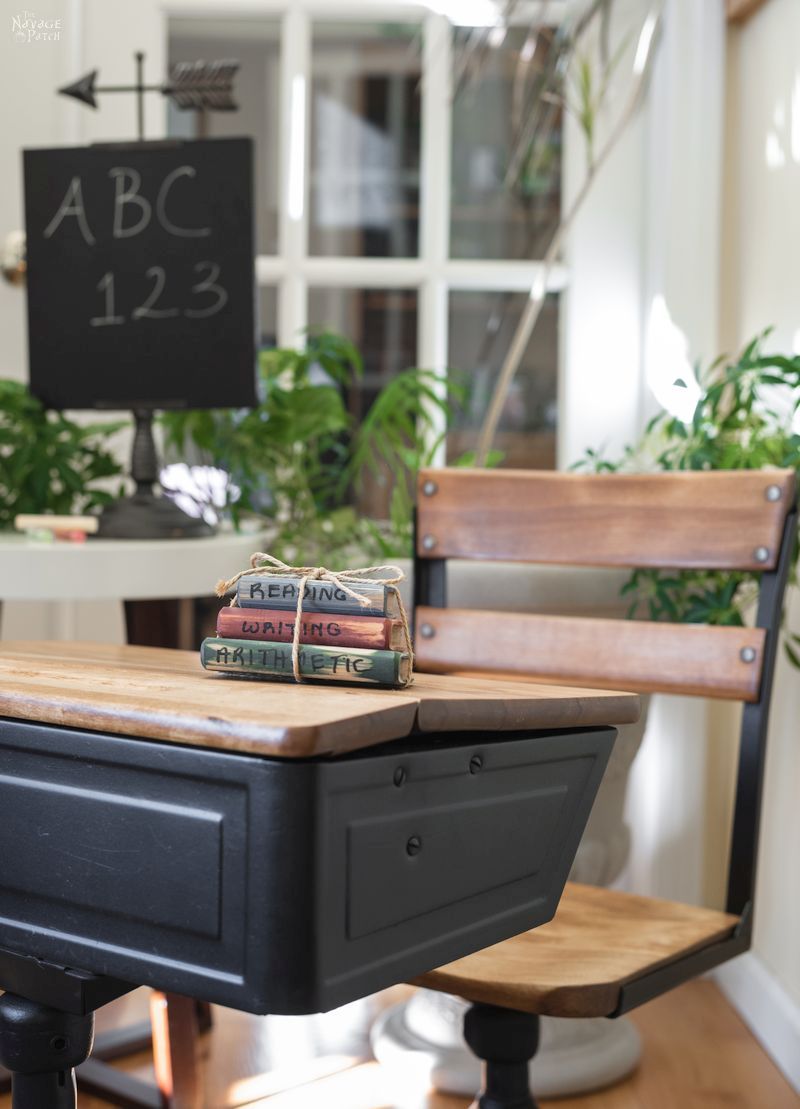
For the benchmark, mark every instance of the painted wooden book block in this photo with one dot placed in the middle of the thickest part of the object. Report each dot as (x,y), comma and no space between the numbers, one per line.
(278,591)
(274,660)
(277,625)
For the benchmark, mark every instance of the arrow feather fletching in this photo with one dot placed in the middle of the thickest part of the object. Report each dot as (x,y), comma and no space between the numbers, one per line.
(203,85)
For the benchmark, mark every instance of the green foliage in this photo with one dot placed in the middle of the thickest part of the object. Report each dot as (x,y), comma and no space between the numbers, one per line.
(48,463)
(296,456)
(590,81)
(743,420)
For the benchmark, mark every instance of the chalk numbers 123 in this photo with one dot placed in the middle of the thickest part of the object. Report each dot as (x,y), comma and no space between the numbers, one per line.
(210,297)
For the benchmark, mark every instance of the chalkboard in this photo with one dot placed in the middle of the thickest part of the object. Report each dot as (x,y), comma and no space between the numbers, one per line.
(141,274)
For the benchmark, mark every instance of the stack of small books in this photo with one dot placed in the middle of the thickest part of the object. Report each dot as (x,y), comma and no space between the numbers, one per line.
(341,639)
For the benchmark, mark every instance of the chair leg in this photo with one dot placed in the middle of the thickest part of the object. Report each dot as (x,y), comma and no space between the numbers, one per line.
(175,1042)
(505,1040)
(205,1020)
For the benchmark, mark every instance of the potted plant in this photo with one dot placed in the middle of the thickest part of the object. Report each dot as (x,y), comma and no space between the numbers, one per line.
(745,417)
(48,462)
(294,461)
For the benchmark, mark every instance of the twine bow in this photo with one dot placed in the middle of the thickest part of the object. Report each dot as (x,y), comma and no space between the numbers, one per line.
(340,579)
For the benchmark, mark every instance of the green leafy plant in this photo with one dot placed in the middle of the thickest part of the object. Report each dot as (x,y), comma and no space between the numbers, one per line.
(49,463)
(744,419)
(294,458)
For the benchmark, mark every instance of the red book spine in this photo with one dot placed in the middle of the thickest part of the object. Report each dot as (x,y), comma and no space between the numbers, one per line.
(324,629)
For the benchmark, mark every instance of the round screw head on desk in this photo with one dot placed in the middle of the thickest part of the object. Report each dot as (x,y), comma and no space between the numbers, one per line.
(748,654)
(427,631)
(429,488)
(761,554)
(773,493)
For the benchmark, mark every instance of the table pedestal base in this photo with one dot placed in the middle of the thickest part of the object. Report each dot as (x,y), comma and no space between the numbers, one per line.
(505,1041)
(424,1037)
(41,1047)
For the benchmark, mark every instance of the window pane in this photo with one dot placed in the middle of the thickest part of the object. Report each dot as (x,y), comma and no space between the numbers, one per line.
(267,302)
(481,329)
(506,165)
(256,44)
(383,325)
(365,140)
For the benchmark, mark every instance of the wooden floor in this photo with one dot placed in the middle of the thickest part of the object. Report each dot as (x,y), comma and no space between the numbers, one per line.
(697,1055)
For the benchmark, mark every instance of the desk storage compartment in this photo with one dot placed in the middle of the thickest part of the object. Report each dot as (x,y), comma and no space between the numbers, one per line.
(283,885)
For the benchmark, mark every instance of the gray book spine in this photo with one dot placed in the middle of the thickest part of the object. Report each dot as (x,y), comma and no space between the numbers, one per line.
(278,591)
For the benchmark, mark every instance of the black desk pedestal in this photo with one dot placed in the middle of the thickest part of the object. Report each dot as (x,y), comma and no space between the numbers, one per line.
(41,1047)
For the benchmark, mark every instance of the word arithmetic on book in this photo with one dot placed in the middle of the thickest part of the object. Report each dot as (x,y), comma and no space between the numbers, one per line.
(274,660)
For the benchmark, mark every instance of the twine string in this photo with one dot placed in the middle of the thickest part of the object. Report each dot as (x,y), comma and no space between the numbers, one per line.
(340,579)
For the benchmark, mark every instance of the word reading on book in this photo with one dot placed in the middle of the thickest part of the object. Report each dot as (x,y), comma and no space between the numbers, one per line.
(141,274)
(280,591)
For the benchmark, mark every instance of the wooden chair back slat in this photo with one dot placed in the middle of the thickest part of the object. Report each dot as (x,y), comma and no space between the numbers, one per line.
(723,662)
(726,520)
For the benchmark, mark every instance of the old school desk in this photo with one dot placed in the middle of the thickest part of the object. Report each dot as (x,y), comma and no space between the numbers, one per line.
(271,847)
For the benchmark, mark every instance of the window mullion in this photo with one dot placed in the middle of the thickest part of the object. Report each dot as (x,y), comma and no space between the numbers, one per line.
(293,162)
(432,338)
(436,140)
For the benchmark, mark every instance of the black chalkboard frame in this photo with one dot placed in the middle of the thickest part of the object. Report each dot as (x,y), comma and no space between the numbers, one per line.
(183,357)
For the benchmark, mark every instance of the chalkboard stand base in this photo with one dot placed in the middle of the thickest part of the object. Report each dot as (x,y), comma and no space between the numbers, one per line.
(146,514)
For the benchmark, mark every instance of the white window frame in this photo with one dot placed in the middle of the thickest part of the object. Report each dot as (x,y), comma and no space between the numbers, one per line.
(432,274)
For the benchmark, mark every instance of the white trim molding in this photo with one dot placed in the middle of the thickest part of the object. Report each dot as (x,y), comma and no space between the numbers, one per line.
(772,1016)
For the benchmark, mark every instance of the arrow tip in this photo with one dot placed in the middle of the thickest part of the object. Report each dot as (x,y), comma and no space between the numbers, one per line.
(82,89)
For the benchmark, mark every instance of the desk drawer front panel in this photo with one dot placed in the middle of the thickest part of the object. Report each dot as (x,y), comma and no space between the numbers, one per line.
(127,857)
(463,850)
(472,846)
(133,858)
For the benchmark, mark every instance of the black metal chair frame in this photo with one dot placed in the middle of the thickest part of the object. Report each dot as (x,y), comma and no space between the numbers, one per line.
(506,1039)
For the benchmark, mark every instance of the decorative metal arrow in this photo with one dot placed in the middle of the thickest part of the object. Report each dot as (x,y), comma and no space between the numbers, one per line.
(191,85)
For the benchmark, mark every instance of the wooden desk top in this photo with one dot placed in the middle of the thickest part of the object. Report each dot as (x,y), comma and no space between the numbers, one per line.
(161,694)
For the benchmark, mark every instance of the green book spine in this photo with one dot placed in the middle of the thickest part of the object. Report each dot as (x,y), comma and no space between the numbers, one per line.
(274,660)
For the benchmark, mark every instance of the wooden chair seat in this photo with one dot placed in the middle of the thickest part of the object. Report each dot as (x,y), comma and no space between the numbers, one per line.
(574,966)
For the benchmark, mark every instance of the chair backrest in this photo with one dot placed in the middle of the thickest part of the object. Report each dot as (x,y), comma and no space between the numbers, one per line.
(733,520)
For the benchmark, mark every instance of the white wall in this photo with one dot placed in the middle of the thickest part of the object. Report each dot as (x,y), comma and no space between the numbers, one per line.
(761,287)
(601,339)
(651,228)
(32,116)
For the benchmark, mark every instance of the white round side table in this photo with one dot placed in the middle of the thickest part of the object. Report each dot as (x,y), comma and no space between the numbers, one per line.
(62,575)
